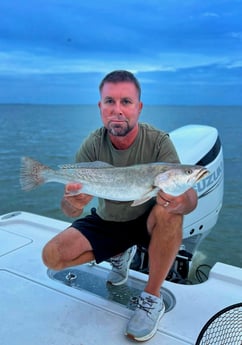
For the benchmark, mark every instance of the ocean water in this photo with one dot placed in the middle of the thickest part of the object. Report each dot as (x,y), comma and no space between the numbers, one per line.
(52,135)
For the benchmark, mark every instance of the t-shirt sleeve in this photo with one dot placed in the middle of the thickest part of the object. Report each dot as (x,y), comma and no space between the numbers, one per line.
(86,152)
(166,151)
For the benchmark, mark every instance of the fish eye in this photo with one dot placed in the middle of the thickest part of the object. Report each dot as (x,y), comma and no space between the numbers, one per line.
(189,171)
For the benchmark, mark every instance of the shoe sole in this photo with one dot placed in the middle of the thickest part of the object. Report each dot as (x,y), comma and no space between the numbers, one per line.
(121,282)
(152,333)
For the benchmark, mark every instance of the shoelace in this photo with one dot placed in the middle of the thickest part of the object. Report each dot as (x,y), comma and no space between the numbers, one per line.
(146,304)
(117,262)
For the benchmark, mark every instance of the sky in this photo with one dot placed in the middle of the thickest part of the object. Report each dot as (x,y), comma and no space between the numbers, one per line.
(184,52)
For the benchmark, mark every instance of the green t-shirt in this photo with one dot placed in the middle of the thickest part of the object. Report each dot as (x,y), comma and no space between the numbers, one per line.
(151,145)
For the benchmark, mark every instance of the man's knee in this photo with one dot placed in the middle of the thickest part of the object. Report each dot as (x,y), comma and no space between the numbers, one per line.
(50,256)
(161,219)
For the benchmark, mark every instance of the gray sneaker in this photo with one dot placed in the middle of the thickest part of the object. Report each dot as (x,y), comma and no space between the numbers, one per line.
(120,266)
(145,320)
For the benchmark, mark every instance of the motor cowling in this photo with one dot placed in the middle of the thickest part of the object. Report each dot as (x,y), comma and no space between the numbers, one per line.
(196,145)
(201,145)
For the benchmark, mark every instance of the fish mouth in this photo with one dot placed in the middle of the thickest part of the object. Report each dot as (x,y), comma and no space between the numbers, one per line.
(203,172)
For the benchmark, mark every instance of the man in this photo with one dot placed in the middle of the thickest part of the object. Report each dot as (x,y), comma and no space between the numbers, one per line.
(115,228)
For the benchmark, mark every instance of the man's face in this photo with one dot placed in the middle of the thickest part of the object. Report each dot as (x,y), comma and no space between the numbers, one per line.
(120,107)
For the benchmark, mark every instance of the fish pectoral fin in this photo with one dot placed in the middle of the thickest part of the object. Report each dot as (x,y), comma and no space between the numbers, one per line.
(147,196)
(162,178)
(140,201)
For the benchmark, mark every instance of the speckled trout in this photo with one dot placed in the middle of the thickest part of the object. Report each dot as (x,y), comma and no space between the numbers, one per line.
(137,183)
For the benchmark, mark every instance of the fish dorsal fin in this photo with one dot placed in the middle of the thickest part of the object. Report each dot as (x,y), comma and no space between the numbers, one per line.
(147,196)
(87,165)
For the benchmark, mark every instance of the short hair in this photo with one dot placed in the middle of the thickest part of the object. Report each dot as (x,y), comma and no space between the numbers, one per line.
(121,76)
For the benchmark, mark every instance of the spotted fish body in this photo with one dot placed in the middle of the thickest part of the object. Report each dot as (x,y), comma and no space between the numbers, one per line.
(137,183)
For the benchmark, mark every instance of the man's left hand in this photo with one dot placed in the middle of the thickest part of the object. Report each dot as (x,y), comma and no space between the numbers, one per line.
(182,204)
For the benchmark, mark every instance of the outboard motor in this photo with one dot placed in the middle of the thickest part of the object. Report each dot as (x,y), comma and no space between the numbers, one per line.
(196,144)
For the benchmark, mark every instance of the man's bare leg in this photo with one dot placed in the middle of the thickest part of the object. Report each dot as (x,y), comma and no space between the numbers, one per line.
(69,248)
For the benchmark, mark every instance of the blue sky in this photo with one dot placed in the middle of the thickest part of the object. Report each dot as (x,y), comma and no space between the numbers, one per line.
(183,52)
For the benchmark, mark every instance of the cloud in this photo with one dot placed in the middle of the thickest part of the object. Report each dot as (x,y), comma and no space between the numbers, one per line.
(210,14)
(161,41)
(236,35)
(235,64)
(21,62)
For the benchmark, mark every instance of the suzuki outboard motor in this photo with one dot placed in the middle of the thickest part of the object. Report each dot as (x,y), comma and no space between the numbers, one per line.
(201,145)
(196,144)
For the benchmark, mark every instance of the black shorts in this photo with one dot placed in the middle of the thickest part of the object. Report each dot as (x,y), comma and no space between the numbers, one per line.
(109,238)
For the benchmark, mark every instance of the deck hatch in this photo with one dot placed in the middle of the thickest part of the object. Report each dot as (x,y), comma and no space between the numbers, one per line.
(91,278)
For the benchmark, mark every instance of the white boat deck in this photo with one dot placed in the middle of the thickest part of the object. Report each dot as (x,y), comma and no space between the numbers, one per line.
(36,309)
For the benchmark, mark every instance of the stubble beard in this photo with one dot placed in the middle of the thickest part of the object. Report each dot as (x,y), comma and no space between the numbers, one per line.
(119,130)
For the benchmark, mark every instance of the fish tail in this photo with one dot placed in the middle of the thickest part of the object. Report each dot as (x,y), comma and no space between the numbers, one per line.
(32,173)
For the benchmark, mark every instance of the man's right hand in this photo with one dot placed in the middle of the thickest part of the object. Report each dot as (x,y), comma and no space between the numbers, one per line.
(72,205)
